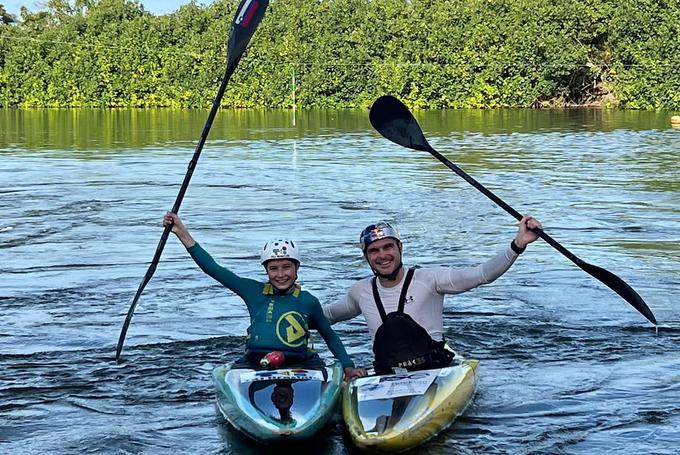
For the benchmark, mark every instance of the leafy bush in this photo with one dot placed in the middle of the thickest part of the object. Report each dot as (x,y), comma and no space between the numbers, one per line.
(345,53)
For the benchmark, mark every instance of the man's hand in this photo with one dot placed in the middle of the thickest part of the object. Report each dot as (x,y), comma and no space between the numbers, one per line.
(525,235)
(351,373)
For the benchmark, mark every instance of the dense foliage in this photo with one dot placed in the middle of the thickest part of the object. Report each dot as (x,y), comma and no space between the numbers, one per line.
(344,53)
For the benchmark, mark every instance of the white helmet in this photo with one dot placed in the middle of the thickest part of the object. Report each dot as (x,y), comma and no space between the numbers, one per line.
(280,249)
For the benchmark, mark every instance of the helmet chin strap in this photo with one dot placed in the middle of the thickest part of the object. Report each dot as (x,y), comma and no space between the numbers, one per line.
(393,274)
(389,276)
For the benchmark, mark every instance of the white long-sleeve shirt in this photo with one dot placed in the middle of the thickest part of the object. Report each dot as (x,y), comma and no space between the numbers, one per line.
(425,297)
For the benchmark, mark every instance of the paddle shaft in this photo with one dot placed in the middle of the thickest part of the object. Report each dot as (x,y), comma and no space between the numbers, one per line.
(175,208)
(612,281)
(518,216)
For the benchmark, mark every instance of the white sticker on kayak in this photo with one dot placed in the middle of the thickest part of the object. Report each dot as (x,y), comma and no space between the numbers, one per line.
(395,385)
(293,374)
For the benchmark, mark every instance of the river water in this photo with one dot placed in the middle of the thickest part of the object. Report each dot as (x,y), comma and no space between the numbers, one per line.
(566,365)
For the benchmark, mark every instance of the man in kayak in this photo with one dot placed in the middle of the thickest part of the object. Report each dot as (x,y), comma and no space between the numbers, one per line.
(403,307)
(280,311)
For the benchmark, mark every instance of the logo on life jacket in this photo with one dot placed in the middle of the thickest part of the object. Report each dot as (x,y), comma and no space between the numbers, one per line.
(290,329)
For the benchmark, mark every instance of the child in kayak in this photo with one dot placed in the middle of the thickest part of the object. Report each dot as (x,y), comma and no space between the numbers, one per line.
(280,311)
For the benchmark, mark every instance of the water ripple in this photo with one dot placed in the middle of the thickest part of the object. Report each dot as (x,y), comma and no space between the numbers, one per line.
(566,366)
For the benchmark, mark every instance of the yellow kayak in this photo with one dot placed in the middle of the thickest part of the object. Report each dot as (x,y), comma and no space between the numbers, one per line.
(396,412)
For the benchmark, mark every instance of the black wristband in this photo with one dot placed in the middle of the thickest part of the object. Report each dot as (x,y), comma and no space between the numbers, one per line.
(517,249)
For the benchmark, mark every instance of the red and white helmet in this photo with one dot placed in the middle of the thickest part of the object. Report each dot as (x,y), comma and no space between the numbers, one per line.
(280,249)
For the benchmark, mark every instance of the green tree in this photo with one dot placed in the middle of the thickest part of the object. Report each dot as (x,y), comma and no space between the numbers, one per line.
(345,53)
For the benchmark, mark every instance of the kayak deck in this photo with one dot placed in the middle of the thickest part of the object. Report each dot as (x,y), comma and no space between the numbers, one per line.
(393,413)
(285,404)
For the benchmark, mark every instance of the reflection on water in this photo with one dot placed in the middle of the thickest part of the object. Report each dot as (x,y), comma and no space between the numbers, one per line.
(104,129)
(566,365)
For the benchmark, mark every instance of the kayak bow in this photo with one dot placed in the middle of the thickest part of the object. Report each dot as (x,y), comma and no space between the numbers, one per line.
(393,413)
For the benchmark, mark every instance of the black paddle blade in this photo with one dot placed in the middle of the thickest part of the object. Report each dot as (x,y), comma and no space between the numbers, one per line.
(248,16)
(619,286)
(391,118)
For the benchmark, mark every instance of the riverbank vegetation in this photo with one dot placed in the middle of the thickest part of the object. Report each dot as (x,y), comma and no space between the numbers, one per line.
(345,53)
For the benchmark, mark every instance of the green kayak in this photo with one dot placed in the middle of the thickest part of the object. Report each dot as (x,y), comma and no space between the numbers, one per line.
(285,404)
